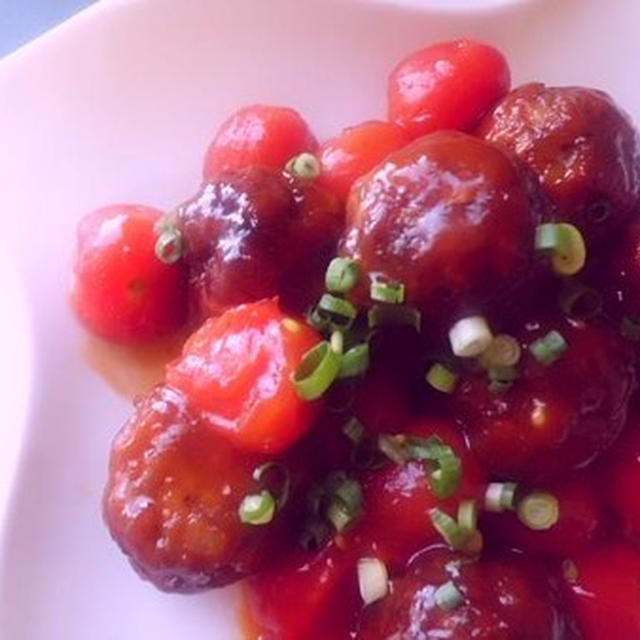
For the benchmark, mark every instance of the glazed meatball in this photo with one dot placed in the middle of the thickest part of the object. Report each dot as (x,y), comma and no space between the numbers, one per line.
(450,216)
(254,233)
(558,416)
(172,500)
(581,146)
(507,598)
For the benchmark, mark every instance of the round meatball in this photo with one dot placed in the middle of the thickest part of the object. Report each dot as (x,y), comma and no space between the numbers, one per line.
(556,417)
(172,500)
(506,598)
(450,216)
(583,149)
(254,233)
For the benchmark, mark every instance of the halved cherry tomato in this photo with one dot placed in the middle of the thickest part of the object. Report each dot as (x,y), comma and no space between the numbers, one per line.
(236,371)
(121,290)
(449,85)
(355,152)
(258,134)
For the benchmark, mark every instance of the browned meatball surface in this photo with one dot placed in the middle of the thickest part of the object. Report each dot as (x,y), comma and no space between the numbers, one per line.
(450,216)
(581,146)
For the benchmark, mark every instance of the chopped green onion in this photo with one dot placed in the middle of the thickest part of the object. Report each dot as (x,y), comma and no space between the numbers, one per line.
(305,166)
(345,500)
(355,361)
(336,341)
(257,509)
(342,275)
(394,447)
(317,320)
(169,246)
(389,292)
(565,245)
(468,515)
(315,535)
(339,516)
(448,597)
(503,351)
(285,479)
(473,546)
(373,579)
(500,496)
(549,348)
(441,378)
(630,328)
(354,430)
(445,479)
(393,316)
(317,371)
(539,511)
(341,313)
(469,337)
(453,534)
(581,302)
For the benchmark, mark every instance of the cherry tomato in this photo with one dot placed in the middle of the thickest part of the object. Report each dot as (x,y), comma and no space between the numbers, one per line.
(355,152)
(582,520)
(449,85)
(172,499)
(258,135)
(236,370)
(121,291)
(502,598)
(605,593)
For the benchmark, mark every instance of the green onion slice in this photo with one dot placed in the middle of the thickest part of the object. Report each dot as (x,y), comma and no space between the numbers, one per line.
(389,292)
(448,597)
(453,534)
(169,246)
(441,378)
(342,275)
(470,336)
(281,477)
(580,302)
(345,500)
(317,371)
(564,243)
(549,348)
(373,580)
(539,511)
(341,313)
(500,496)
(354,430)
(393,316)
(355,361)
(305,166)
(257,508)
(503,351)
(468,515)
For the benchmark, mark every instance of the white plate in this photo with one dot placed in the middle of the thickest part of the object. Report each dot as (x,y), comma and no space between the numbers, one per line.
(118,105)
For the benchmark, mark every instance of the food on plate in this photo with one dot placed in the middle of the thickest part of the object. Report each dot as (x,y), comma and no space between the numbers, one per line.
(406,409)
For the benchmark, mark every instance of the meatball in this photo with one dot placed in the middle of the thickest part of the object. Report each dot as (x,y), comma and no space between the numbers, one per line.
(254,233)
(450,216)
(506,598)
(172,500)
(556,417)
(583,149)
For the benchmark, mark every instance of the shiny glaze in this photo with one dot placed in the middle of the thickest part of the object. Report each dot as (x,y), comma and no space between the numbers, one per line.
(172,499)
(247,232)
(583,149)
(505,599)
(450,216)
(558,417)
(236,372)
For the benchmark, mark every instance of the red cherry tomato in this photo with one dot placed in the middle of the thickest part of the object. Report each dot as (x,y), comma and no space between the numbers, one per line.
(121,290)
(236,370)
(258,134)
(605,595)
(355,152)
(581,522)
(449,85)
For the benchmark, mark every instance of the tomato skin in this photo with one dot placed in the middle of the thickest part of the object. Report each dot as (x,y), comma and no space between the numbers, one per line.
(449,85)
(582,521)
(356,151)
(605,597)
(258,134)
(121,291)
(236,370)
